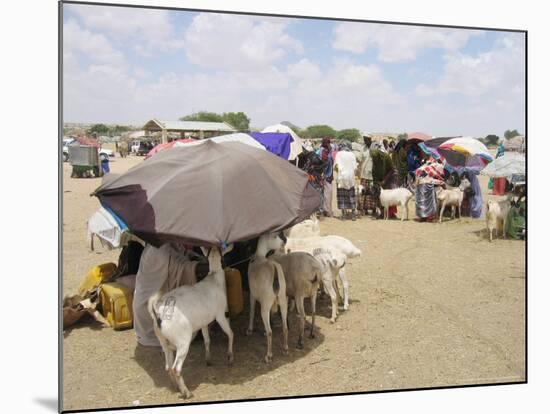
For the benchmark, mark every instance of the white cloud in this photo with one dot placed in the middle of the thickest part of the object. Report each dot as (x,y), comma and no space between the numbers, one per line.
(499,72)
(238,42)
(396,43)
(95,46)
(149,29)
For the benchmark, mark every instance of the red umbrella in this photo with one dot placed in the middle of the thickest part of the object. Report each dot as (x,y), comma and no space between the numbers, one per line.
(418,137)
(160,147)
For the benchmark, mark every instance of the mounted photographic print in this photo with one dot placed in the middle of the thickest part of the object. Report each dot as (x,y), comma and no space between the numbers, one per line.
(263,206)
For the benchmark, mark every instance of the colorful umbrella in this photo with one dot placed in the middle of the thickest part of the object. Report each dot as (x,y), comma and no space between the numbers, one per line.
(160,147)
(460,153)
(467,146)
(418,137)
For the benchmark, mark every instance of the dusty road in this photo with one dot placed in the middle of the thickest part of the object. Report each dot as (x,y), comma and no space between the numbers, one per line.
(431,305)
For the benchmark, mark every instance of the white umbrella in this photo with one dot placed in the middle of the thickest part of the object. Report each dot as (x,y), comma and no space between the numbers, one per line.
(295,146)
(237,137)
(508,164)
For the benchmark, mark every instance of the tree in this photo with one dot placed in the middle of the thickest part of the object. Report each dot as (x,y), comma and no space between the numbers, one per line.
(350,134)
(203,116)
(320,131)
(98,129)
(237,120)
(402,136)
(511,133)
(491,139)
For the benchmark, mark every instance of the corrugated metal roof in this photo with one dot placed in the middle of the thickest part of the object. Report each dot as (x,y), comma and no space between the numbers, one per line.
(195,126)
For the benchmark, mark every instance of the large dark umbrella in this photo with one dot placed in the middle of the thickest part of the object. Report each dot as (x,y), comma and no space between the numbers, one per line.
(209,194)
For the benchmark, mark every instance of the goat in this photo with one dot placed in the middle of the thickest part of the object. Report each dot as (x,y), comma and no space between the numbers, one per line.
(452,197)
(337,242)
(266,281)
(497,211)
(332,262)
(395,197)
(302,276)
(180,313)
(306,228)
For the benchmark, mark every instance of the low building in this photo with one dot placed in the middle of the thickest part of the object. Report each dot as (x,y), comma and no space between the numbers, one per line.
(187,129)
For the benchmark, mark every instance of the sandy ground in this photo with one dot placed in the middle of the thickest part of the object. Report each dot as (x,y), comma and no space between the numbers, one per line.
(430,305)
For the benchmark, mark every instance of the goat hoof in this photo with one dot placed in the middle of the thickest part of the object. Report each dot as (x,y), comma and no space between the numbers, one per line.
(230,359)
(346,307)
(300,345)
(208,363)
(285,351)
(332,320)
(311,335)
(248,332)
(268,359)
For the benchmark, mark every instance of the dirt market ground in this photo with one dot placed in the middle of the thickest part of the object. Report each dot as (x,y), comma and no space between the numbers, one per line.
(431,305)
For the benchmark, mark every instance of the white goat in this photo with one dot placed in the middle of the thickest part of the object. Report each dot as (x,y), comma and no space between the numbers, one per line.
(395,197)
(452,197)
(302,276)
(336,244)
(309,243)
(267,285)
(307,228)
(332,262)
(497,211)
(180,313)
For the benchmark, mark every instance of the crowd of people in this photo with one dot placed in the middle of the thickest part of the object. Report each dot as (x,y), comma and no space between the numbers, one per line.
(383,165)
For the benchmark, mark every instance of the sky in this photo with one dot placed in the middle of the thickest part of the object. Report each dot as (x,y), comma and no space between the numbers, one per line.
(129,65)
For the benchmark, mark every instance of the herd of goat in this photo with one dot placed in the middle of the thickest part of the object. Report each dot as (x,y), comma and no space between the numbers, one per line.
(286,268)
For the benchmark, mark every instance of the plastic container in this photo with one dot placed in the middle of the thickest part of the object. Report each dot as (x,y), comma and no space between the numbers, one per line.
(234,291)
(96,276)
(499,186)
(116,304)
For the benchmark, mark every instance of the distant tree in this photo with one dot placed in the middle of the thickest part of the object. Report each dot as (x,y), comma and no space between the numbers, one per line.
(119,129)
(319,131)
(491,139)
(203,116)
(294,127)
(98,129)
(511,133)
(402,136)
(350,134)
(237,120)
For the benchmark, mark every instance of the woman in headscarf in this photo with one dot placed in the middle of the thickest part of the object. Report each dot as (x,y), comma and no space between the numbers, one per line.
(475,199)
(427,177)
(325,152)
(384,174)
(345,164)
(368,198)
(399,157)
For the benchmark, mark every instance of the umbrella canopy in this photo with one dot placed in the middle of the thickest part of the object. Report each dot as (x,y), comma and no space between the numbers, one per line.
(160,147)
(418,137)
(210,195)
(237,137)
(509,164)
(467,146)
(277,143)
(297,143)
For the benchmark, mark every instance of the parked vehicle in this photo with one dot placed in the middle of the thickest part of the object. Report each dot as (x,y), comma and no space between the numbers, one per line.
(66,143)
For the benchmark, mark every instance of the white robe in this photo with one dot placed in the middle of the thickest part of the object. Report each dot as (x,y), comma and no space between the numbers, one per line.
(346,164)
(155,266)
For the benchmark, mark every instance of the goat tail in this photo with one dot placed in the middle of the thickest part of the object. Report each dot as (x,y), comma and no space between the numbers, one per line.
(151,304)
(277,275)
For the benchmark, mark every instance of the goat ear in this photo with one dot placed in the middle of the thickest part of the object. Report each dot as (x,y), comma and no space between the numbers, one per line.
(204,251)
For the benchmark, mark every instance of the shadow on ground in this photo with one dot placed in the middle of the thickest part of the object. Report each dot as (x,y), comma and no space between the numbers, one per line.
(249,351)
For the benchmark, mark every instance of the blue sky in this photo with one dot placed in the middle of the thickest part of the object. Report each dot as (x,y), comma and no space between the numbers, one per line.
(125,65)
